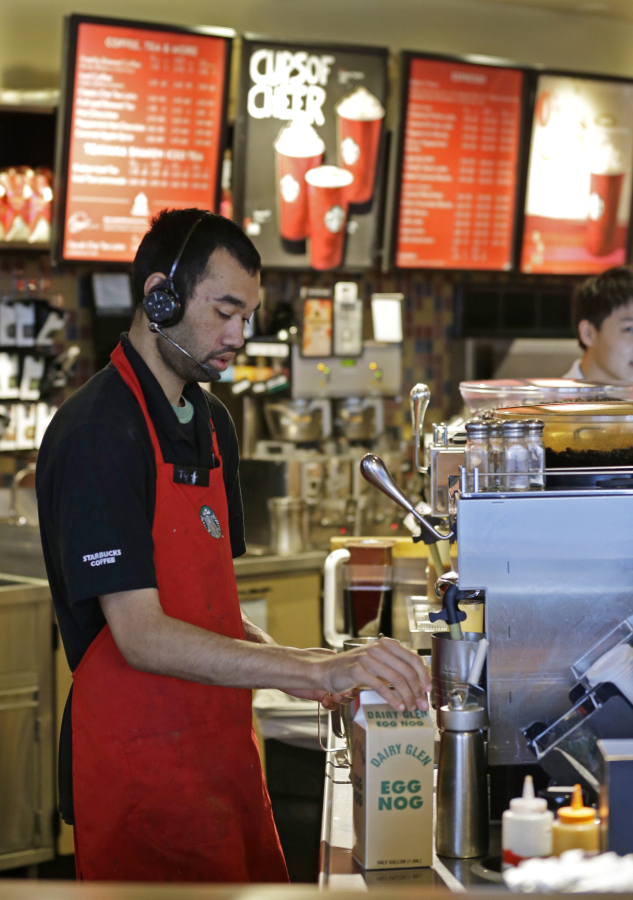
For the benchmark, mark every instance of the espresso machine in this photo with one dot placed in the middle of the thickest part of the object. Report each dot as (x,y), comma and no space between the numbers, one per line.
(305,443)
(556,568)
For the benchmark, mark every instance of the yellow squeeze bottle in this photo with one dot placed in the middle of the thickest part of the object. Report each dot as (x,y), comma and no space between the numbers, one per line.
(576,827)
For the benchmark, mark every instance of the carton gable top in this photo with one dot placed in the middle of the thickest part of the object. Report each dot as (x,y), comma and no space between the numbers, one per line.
(374,714)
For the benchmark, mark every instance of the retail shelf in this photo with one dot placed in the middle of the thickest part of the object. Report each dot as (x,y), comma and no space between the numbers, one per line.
(25,246)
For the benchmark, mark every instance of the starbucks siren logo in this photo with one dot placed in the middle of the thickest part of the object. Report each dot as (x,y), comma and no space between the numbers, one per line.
(290,188)
(350,151)
(596,207)
(210,521)
(334,219)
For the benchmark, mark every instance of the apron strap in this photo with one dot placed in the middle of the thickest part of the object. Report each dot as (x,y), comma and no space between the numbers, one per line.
(214,436)
(128,375)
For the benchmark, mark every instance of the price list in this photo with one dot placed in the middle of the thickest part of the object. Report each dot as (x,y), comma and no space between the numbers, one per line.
(459,166)
(145,134)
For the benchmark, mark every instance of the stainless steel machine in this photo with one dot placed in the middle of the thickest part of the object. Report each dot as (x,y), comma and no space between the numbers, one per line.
(556,566)
(309,445)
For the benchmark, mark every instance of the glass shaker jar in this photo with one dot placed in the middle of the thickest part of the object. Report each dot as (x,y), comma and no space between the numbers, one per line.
(515,457)
(536,453)
(476,454)
(495,459)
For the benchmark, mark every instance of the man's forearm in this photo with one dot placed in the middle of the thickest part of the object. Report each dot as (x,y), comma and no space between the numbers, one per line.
(254,633)
(153,642)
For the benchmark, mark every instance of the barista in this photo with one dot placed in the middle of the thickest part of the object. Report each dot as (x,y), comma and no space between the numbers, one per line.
(603,315)
(141,516)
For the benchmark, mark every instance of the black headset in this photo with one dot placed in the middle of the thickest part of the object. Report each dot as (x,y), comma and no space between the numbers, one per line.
(162,305)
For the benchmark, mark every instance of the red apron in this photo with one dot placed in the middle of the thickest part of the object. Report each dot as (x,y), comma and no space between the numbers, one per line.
(167,779)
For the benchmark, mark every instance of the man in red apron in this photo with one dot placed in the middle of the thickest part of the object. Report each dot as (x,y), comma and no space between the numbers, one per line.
(141,517)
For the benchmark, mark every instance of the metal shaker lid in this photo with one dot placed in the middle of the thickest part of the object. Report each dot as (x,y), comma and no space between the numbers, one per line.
(477,429)
(459,715)
(515,428)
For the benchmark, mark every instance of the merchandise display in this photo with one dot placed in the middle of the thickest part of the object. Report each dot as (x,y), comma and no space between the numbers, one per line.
(26,201)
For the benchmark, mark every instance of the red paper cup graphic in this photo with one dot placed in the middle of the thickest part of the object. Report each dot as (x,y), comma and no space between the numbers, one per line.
(328,198)
(604,199)
(359,121)
(609,152)
(298,149)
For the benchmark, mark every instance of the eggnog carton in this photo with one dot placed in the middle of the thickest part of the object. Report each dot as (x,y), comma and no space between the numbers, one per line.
(392,776)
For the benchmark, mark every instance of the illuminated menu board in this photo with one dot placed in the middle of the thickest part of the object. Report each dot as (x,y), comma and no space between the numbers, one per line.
(144,130)
(309,152)
(459,156)
(578,199)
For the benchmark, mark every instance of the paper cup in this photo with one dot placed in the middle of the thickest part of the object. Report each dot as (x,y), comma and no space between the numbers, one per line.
(298,148)
(327,203)
(360,117)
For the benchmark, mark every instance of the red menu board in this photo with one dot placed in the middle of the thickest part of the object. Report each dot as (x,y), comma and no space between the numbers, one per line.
(144,133)
(459,166)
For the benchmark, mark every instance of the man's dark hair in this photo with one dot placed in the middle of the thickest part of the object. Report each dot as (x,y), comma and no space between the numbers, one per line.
(598,297)
(157,251)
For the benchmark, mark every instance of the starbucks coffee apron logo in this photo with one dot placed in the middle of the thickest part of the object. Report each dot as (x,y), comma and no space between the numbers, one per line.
(210,521)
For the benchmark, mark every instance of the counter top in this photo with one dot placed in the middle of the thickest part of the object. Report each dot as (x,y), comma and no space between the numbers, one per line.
(256,565)
(21,553)
(26,889)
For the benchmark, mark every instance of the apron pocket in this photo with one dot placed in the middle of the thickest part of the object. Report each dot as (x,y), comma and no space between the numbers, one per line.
(177,800)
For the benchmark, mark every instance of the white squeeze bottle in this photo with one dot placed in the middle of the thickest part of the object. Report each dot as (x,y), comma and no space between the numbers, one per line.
(526,828)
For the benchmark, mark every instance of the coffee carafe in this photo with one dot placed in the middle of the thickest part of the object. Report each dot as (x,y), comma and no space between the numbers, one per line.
(358,590)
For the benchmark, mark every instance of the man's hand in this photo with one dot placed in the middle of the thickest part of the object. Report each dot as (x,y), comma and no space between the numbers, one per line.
(385,666)
(325,698)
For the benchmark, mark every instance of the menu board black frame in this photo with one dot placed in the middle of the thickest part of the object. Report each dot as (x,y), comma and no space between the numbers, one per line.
(240,148)
(527,144)
(392,215)
(72,24)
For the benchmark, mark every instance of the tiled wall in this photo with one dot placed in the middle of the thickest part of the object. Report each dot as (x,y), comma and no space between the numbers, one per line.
(428,318)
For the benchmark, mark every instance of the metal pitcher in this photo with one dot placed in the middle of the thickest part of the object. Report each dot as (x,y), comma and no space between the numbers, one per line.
(450,663)
(343,716)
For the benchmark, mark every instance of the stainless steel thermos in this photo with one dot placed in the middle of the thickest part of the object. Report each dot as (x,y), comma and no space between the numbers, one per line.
(462,795)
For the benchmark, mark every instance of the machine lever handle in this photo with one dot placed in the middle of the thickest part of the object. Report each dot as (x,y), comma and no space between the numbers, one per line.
(375,472)
(451,613)
(419,397)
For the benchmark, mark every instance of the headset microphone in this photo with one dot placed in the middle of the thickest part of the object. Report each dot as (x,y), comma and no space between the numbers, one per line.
(213,373)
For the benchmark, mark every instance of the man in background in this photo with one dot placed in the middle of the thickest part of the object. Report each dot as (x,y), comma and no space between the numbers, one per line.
(603,315)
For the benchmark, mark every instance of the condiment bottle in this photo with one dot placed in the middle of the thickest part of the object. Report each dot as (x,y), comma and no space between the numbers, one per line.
(476,455)
(495,459)
(526,828)
(536,453)
(515,456)
(576,827)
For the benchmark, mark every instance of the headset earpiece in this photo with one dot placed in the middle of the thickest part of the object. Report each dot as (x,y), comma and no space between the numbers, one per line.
(162,304)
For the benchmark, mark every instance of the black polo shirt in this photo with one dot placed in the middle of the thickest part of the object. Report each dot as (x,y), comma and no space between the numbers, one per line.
(96,492)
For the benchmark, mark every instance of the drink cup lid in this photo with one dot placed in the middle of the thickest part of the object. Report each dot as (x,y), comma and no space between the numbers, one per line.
(360,106)
(329,177)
